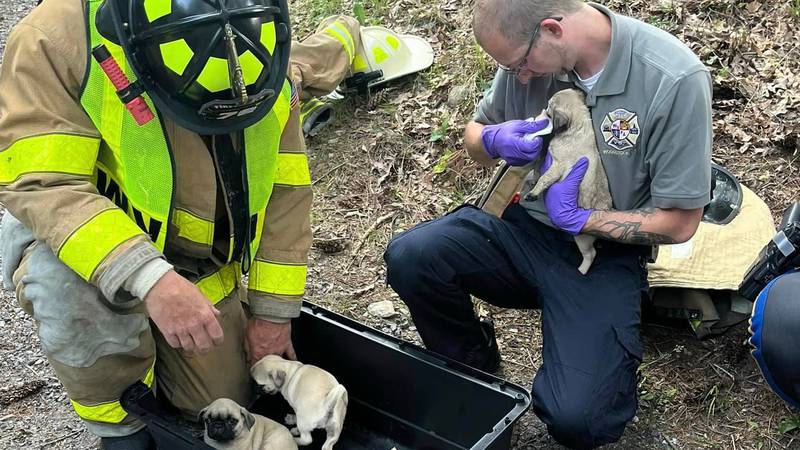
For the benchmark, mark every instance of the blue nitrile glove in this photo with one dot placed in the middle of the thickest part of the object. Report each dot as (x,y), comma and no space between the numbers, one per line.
(508,140)
(561,199)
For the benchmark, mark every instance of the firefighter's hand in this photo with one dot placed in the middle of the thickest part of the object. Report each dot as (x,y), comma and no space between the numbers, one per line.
(183,314)
(268,338)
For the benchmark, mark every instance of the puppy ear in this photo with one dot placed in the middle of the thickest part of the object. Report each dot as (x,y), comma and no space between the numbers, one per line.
(256,374)
(560,120)
(278,377)
(249,418)
(201,416)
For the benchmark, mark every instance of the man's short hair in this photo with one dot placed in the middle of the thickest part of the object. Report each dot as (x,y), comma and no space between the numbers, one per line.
(515,19)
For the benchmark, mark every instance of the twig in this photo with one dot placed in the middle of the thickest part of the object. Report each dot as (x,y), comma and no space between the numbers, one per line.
(650,363)
(381,220)
(361,291)
(716,366)
(33,371)
(518,364)
(53,441)
(667,440)
(327,173)
(774,441)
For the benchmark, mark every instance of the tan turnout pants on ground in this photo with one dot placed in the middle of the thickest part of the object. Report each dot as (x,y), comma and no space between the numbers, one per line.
(98,349)
(321,61)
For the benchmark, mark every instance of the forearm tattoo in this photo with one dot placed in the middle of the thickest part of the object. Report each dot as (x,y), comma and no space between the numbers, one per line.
(629,231)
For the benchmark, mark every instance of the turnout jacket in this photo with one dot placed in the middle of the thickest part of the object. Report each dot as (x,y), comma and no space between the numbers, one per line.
(108,197)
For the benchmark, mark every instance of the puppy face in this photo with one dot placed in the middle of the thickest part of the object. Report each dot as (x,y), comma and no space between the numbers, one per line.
(225,420)
(565,107)
(268,374)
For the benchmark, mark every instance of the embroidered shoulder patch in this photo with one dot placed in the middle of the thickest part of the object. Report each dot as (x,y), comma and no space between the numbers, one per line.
(620,129)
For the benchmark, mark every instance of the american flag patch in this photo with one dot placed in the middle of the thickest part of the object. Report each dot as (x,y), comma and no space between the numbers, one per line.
(295,100)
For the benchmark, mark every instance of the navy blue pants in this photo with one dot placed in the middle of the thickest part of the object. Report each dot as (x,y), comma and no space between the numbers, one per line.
(585,390)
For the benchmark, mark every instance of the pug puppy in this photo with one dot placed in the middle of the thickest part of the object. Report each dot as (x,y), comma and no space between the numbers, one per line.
(573,138)
(318,400)
(230,426)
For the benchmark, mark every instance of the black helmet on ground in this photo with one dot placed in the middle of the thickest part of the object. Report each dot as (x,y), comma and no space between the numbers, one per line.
(726,197)
(212,66)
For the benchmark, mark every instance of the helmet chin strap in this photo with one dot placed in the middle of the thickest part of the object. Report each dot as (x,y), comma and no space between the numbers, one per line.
(234,66)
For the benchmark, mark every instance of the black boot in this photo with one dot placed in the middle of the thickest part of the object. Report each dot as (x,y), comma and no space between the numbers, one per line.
(141,440)
(486,356)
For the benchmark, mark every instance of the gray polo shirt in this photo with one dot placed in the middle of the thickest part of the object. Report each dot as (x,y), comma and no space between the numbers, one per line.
(651,111)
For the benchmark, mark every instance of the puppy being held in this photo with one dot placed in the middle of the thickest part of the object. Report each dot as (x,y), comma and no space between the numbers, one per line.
(573,138)
(318,400)
(230,426)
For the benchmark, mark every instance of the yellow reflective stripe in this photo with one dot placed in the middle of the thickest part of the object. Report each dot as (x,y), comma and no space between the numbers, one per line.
(176,55)
(156,9)
(90,243)
(279,279)
(359,65)
(282,106)
(259,232)
(393,41)
(251,67)
(342,29)
(221,283)
(110,412)
(214,76)
(341,34)
(380,55)
(60,153)
(293,170)
(193,228)
(268,37)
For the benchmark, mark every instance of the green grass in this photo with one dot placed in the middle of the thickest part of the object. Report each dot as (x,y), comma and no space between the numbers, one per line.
(441,165)
(666,18)
(794,9)
(441,131)
(369,12)
(789,424)
(320,9)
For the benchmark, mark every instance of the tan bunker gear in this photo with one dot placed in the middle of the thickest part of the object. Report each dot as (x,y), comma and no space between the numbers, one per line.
(92,198)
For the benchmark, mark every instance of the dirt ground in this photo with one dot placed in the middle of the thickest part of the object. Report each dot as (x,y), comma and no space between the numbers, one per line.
(397,158)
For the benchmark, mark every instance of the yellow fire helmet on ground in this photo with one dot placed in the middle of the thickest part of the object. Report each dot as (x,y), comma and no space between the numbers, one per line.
(394,55)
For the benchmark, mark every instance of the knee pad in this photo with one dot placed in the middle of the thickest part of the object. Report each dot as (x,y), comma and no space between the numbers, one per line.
(77,326)
(775,328)
(14,239)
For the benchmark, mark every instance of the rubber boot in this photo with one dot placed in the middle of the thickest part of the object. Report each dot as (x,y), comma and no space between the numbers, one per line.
(141,440)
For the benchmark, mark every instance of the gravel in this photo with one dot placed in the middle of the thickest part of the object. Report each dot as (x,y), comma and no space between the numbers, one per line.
(44,420)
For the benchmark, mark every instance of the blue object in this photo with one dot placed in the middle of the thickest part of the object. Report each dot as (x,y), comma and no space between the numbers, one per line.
(775,329)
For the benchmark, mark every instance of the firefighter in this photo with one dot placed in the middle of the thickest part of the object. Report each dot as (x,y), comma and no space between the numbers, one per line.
(656,152)
(150,157)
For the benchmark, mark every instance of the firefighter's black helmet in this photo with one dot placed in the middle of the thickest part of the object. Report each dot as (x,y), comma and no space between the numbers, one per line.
(726,197)
(212,66)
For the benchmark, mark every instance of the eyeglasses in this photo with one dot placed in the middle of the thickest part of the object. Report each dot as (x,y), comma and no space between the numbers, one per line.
(520,66)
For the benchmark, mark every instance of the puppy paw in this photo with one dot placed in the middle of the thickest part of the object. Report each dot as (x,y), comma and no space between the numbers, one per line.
(295,432)
(305,438)
(290,419)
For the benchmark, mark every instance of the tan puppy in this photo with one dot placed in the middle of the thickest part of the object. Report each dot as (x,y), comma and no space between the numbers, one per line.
(318,400)
(230,426)
(573,138)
